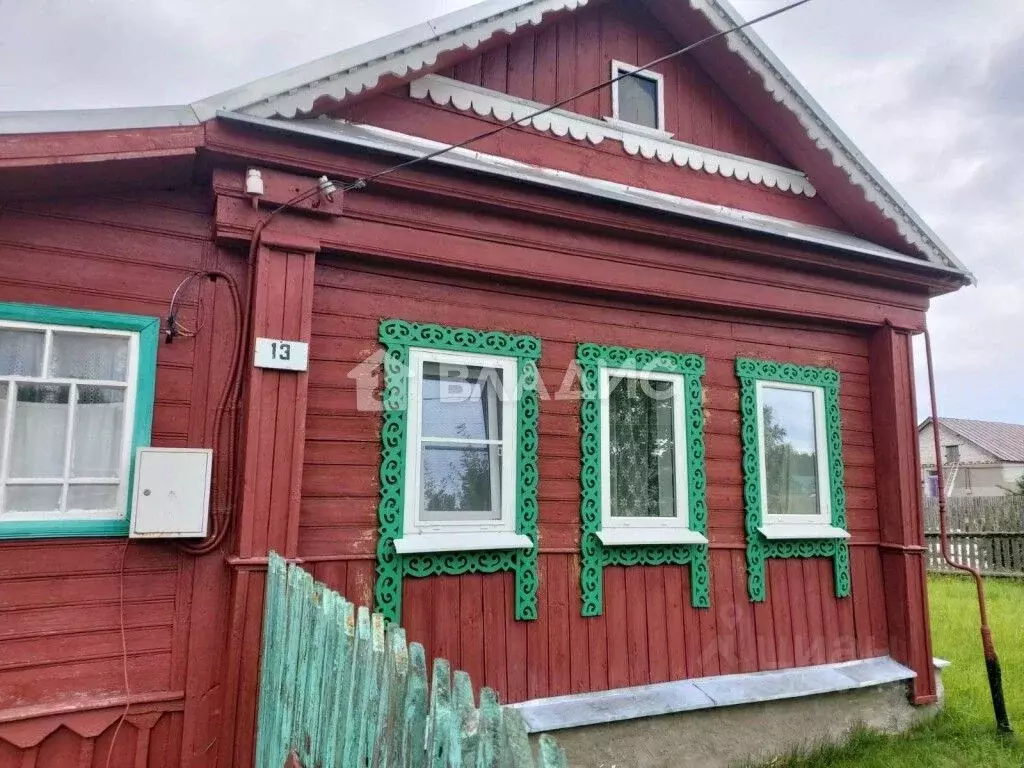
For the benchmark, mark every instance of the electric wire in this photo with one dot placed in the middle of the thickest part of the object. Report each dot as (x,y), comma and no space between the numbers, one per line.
(222,522)
(363,181)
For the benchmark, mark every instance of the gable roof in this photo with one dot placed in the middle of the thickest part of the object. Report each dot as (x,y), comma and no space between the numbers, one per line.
(1004,441)
(397,58)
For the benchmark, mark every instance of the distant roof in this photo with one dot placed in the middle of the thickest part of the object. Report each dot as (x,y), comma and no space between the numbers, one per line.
(1004,441)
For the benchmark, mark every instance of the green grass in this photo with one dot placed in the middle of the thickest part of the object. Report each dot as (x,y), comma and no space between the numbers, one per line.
(963,734)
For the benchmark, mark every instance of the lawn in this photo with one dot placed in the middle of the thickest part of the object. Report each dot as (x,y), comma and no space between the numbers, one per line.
(963,734)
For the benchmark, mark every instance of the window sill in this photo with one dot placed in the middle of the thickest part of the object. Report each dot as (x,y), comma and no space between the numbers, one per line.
(786,531)
(638,130)
(624,537)
(461,542)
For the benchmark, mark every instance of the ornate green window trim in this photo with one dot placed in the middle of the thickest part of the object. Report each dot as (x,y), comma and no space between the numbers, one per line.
(760,548)
(594,555)
(398,337)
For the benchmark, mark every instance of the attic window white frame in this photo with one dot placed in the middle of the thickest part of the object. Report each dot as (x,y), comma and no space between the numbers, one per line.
(625,531)
(461,535)
(620,68)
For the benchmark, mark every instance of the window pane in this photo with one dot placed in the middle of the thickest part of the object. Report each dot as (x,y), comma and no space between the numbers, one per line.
(81,356)
(461,483)
(461,401)
(641,448)
(790,453)
(99,420)
(638,100)
(40,430)
(92,497)
(21,352)
(32,498)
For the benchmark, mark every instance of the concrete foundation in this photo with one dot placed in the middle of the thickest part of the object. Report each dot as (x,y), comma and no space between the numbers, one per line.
(727,736)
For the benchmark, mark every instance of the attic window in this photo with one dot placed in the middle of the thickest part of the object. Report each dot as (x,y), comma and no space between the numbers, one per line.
(639,97)
(952,452)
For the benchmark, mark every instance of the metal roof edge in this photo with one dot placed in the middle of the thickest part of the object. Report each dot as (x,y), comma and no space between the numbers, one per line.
(72,120)
(327,67)
(404,145)
(844,144)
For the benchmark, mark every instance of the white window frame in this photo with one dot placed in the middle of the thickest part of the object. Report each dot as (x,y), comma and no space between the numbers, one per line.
(443,536)
(623,531)
(817,526)
(130,387)
(621,68)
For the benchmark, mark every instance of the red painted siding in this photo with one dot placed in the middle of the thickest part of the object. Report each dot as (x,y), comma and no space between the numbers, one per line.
(61,673)
(560,59)
(649,632)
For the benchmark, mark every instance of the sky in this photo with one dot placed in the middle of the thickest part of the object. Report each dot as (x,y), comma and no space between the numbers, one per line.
(932,91)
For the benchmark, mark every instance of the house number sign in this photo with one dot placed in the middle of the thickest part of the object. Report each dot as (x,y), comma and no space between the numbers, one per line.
(282,354)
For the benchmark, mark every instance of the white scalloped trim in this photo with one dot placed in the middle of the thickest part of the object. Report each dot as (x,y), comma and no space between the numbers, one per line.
(401,63)
(823,135)
(488,103)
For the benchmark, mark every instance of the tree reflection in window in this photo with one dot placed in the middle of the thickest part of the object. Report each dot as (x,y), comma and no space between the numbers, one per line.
(790,452)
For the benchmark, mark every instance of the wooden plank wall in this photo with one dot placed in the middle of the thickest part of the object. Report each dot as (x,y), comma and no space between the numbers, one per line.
(573,54)
(649,632)
(61,676)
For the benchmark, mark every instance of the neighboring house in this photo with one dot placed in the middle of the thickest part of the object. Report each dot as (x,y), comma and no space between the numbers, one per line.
(980,458)
(647,389)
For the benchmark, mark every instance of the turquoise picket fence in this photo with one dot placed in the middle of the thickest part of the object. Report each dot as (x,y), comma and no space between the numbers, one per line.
(340,689)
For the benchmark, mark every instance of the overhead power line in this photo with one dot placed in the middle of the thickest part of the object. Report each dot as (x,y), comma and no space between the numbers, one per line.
(362,182)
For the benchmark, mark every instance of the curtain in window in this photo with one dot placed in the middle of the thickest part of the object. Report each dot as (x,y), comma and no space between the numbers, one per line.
(38,449)
(641,448)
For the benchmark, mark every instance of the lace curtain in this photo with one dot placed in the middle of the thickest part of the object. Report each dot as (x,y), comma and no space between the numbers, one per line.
(641,448)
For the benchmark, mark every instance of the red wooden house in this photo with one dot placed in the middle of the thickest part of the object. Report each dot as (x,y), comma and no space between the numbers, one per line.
(620,397)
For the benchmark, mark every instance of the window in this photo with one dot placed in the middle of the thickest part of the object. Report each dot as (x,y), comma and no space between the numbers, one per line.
(793,495)
(643,481)
(643,459)
(638,98)
(458,476)
(461,453)
(952,453)
(70,399)
(795,483)
(931,485)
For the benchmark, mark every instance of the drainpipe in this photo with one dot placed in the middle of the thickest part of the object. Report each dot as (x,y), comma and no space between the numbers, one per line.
(995,675)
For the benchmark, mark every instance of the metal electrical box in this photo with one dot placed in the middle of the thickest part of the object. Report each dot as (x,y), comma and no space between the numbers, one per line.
(171,493)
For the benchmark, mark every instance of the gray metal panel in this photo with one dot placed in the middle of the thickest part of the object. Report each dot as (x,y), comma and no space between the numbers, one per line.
(71,120)
(380,139)
(708,693)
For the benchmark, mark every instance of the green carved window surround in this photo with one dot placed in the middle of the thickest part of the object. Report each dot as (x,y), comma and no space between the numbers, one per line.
(399,337)
(592,360)
(823,384)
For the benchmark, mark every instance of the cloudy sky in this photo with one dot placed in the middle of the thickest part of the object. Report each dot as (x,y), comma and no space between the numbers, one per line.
(931,90)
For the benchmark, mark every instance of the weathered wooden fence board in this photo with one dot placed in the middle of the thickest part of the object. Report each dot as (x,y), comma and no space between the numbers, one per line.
(994,553)
(977,515)
(338,689)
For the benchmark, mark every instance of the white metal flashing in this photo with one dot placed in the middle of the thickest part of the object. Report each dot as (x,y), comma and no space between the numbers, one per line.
(489,103)
(69,120)
(787,90)
(400,55)
(404,145)
(622,704)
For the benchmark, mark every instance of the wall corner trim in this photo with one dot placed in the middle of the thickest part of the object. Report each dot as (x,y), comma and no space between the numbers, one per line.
(620,704)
